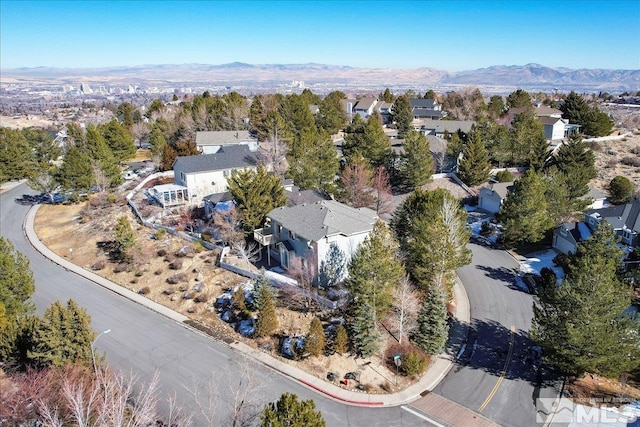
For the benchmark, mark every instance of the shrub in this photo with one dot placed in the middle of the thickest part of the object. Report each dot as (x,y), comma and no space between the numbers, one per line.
(123,266)
(139,273)
(504,176)
(636,151)
(176,278)
(159,235)
(169,291)
(144,291)
(134,281)
(98,265)
(111,198)
(413,363)
(175,264)
(386,386)
(197,246)
(561,260)
(157,272)
(631,161)
(161,252)
(620,190)
(486,229)
(201,298)
(206,236)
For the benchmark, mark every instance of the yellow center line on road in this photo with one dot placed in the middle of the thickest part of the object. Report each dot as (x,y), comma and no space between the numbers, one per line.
(504,372)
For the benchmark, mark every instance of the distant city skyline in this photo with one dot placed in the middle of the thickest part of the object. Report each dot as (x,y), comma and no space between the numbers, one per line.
(445,35)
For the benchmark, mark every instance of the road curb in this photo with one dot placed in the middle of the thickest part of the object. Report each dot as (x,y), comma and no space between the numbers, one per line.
(412,392)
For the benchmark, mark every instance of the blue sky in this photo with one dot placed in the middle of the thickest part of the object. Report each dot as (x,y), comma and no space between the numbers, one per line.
(447,35)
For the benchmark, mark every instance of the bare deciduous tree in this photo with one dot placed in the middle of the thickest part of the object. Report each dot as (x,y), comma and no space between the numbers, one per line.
(405,306)
(383,203)
(304,270)
(228,225)
(248,252)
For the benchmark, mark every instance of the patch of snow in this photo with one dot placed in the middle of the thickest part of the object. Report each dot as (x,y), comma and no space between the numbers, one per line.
(537,261)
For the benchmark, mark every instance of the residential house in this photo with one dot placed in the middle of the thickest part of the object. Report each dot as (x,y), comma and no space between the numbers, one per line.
(493,195)
(385,109)
(556,129)
(441,127)
(624,219)
(426,109)
(207,174)
(567,236)
(365,107)
(308,231)
(210,142)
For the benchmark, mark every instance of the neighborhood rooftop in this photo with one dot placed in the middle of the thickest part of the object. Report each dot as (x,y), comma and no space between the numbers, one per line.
(620,216)
(222,137)
(324,218)
(229,157)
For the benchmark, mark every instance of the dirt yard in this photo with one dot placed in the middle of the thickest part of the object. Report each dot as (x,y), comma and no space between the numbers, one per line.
(77,232)
(615,158)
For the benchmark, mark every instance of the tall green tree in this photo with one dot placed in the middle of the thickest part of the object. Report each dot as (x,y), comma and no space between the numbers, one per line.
(519,98)
(16,160)
(474,167)
(620,190)
(524,214)
(577,162)
(419,162)
(103,159)
(386,96)
(76,171)
(64,336)
(257,118)
(119,140)
(332,117)
(581,324)
(43,147)
(599,123)
(363,330)
(16,281)
(528,136)
(288,411)
(402,115)
(374,270)
(496,107)
(315,340)
(313,161)
(575,108)
(432,331)
(256,193)
(561,207)
(267,322)
(341,340)
(430,227)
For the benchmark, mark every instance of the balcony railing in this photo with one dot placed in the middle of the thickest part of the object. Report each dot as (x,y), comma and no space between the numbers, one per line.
(263,236)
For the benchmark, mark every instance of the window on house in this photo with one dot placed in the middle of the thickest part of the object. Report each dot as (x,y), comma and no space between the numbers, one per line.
(227,173)
(182,177)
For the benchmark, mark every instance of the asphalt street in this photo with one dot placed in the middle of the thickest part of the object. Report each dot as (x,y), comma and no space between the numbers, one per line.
(146,343)
(495,373)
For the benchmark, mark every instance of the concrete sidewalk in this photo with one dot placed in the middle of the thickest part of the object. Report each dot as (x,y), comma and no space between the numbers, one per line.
(434,374)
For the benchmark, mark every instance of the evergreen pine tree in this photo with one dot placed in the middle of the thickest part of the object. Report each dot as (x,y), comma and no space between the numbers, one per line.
(374,270)
(432,331)
(312,159)
(76,172)
(16,281)
(119,140)
(256,193)
(581,324)
(341,340)
(577,162)
(289,412)
(419,162)
(620,190)
(364,334)
(402,115)
(525,213)
(97,149)
(64,336)
(124,235)
(267,322)
(261,288)
(474,167)
(315,340)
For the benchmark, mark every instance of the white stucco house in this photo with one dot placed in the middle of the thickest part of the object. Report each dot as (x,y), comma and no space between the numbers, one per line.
(492,196)
(309,230)
(207,174)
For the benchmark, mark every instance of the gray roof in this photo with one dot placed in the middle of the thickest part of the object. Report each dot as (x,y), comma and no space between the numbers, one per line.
(422,112)
(223,137)
(596,194)
(365,103)
(295,196)
(501,188)
(229,157)
(324,218)
(620,216)
(437,144)
(451,126)
(422,103)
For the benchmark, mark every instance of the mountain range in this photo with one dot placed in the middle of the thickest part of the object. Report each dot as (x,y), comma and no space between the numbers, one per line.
(529,76)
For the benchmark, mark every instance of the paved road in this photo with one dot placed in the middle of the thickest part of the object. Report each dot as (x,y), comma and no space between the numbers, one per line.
(498,342)
(144,342)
